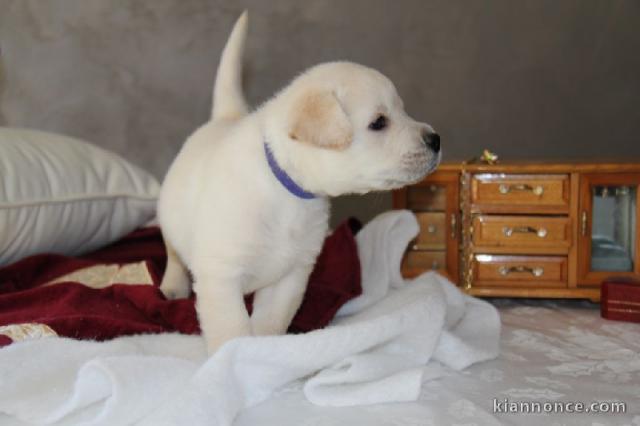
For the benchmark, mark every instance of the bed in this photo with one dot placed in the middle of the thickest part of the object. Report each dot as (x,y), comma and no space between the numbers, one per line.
(549,352)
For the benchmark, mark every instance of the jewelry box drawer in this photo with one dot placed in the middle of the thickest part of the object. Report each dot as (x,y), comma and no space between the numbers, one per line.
(520,193)
(427,197)
(425,260)
(432,234)
(514,271)
(522,232)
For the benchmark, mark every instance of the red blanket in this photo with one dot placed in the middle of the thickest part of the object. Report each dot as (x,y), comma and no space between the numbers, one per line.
(74,310)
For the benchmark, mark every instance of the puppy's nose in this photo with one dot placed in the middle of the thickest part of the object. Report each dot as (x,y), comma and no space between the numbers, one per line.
(432,140)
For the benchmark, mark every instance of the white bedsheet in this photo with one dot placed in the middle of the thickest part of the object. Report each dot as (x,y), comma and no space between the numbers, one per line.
(550,351)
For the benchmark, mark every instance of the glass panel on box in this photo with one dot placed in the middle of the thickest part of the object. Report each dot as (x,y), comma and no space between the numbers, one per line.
(613,228)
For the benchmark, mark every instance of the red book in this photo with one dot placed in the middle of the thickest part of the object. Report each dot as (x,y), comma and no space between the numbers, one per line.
(620,300)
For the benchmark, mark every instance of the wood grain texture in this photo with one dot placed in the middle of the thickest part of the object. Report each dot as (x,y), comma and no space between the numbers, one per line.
(427,198)
(518,271)
(620,165)
(574,215)
(592,294)
(426,260)
(435,203)
(518,232)
(520,193)
(432,234)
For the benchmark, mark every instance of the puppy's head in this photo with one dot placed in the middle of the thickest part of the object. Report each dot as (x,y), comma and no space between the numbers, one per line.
(342,129)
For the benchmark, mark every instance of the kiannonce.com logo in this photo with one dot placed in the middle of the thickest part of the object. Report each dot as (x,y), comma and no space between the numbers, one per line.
(505,406)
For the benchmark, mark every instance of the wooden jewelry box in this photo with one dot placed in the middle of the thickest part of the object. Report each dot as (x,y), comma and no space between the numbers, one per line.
(527,229)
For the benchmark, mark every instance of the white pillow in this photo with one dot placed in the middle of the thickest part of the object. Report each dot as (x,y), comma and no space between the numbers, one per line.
(62,195)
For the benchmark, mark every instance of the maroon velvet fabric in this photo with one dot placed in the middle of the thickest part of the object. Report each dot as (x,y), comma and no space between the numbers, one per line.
(74,310)
(5,340)
(334,281)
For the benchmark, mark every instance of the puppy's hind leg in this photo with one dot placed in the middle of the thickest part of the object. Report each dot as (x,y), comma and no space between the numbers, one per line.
(175,282)
(275,306)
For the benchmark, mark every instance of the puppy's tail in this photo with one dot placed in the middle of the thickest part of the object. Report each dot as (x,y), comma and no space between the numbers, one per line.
(228,97)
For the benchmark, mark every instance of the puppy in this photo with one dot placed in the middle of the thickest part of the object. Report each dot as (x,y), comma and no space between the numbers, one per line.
(244,206)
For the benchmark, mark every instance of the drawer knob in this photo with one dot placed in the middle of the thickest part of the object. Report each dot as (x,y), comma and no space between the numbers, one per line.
(522,187)
(435,264)
(432,229)
(536,272)
(509,231)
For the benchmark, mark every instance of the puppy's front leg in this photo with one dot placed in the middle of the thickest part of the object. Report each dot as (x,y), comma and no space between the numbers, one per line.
(221,309)
(275,306)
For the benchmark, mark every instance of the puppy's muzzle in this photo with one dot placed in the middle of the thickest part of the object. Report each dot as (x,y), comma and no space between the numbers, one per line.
(431,140)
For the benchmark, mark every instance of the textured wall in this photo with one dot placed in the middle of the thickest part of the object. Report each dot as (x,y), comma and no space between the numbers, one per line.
(536,78)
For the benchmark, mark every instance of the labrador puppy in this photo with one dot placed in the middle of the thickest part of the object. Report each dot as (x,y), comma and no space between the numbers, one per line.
(245,205)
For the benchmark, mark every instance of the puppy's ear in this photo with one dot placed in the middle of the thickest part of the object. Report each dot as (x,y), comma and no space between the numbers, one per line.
(318,118)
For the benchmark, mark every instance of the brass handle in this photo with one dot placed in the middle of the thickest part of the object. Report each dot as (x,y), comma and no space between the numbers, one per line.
(523,187)
(508,231)
(536,272)
(454,226)
(583,223)
(431,229)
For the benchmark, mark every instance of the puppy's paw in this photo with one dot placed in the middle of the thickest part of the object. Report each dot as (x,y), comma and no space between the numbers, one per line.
(212,347)
(218,339)
(175,292)
(216,343)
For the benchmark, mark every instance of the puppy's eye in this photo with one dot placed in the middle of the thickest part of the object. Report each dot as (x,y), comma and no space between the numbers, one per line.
(379,123)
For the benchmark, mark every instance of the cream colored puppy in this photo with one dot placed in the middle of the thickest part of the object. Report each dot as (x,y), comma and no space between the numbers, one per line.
(245,206)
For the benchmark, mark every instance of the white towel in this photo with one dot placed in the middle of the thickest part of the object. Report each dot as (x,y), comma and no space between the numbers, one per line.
(378,353)
(460,331)
(381,245)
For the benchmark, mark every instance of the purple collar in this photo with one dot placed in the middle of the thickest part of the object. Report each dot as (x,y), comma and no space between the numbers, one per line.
(284,178)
